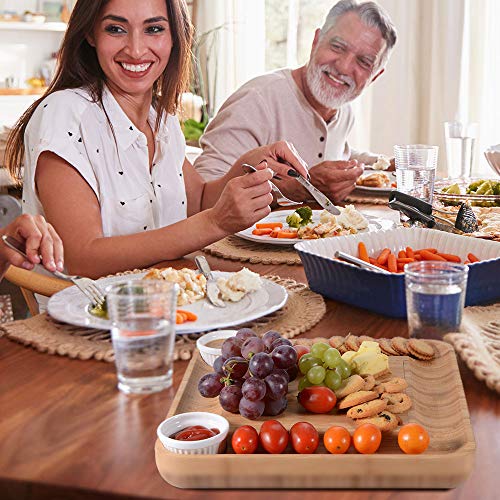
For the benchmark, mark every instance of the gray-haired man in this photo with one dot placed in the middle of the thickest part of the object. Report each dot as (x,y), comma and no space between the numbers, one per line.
(308,106)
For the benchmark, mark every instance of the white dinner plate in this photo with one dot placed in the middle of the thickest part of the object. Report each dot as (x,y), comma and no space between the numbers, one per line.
(71,306)
(374,224)
(380,190)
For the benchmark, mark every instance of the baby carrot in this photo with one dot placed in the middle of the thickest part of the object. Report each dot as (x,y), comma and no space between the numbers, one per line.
(472,258)
(402,254)
(392,265)
(363,252)
(269,225)
(410,253)
(426,255)
(274,233)
(432,250)
(402,260)
(190,316)
(382,258)
(450,257)
(179,318)
(262,231)
(287,234)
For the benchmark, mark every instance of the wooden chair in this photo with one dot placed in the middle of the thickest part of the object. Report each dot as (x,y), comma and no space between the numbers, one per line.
(31,282)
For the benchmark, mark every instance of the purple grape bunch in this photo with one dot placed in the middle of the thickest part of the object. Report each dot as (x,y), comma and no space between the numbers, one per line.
(252,374)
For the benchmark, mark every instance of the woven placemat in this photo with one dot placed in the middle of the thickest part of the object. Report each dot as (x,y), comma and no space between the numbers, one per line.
(479,343)
(302,311)
(369,199)
(235,248)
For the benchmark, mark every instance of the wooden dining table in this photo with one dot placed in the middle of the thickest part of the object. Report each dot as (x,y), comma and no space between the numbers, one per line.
(66,432)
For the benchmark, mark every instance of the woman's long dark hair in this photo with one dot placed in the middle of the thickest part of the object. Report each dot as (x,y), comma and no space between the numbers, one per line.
(78,66)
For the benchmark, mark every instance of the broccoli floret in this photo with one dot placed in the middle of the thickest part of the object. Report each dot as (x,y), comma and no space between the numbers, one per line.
(305,214)
(294,220)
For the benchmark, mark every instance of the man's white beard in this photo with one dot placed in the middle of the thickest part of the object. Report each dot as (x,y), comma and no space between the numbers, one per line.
(325,94)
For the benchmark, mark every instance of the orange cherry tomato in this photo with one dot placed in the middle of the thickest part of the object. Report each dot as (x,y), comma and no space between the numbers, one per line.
(245,440)
(413,439)
(367,438)
(301,350)
(337,439)
(305,438)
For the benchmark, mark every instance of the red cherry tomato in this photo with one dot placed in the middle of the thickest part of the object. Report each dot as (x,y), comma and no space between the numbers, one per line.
(301,350)
(337,440)
(413,439)
(273,436)
(305,438)
(317,399)
(245,440)
(367,438)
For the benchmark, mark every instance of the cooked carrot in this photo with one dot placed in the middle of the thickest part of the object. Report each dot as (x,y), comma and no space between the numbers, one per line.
(190,316)
(432,250)
(363,252)
(410,253)
(401,266)
(269,225)
(274,233)
(402,254)
(392,265)
(472,258)
(417,256)
(402,260)
(450,257)
(179,318)
(426,255)
(287,234)
(382,258)
(467,262)
(262,232)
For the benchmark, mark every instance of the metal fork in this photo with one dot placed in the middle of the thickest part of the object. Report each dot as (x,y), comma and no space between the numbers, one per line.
(86,285)
(281,199)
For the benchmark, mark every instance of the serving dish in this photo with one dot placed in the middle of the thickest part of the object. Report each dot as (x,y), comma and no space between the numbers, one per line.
(210,354)
(480,200)
(385,293)
(439,406)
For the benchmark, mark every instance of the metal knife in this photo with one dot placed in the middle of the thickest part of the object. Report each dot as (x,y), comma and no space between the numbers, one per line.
(321,198)
(359,262)
(212,288)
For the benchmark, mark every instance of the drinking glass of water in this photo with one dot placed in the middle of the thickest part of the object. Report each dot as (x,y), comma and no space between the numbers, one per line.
(435,297)
(460,140)
(143,333)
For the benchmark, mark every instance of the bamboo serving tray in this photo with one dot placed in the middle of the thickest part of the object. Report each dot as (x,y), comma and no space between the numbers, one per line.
(438,404)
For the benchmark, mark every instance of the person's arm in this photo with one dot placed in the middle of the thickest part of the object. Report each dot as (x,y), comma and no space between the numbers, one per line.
(39,238)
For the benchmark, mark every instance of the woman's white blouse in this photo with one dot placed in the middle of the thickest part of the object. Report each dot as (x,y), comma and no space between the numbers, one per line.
(113,161)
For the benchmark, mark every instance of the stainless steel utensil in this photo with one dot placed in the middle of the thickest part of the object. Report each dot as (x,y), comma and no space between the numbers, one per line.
(321,198)
(86,285)
(359,262)
(212,288)
(281,199)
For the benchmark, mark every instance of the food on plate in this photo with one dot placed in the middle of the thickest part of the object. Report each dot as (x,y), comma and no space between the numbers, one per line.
(317,399)
(273,436)
(484,187)
(182,316)
(382,163)
(304,437)
(301,217)
(195,433)
(245,440)
(337,440)
(367,438)
(375,180)
(367,360)
(413,439)
(239,284)
(397,402)
(252,374)
(369,409)
(191,284)
(385,421)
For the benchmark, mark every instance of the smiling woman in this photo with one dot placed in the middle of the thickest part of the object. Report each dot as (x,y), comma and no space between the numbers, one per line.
(104,156)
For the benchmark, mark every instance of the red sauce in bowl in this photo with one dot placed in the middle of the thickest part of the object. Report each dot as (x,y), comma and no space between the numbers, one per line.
(195,433)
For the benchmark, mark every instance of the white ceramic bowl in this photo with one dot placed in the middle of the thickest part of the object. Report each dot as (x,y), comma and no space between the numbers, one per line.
(209,446)
(493,156)
(209,354)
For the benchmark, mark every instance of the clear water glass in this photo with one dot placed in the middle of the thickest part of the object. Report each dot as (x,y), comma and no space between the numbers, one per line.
(435,297)
(460,141)
(142,313)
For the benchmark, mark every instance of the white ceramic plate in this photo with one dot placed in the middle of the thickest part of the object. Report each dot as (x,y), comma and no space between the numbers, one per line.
(379,190)
(71,306)
(375,224)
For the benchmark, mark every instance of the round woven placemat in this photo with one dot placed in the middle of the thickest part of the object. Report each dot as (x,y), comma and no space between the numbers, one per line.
(302,311)
(235,248)
(479,343)
(367,199)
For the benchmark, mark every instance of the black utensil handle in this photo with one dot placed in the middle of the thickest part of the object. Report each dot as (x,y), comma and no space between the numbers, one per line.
(422,206)
(413,213)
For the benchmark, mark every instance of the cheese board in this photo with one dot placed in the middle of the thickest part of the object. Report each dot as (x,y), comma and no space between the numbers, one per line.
(438,404)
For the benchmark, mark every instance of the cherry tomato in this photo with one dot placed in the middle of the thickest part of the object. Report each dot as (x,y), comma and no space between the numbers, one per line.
(305,438)
(367,438)
(317,399)
(337,439)
(273,436)
(301,350)
(413,439)
(245,440)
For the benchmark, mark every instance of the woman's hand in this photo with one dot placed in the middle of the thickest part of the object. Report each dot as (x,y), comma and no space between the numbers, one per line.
(244,201)
(39,238)
(280,157)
